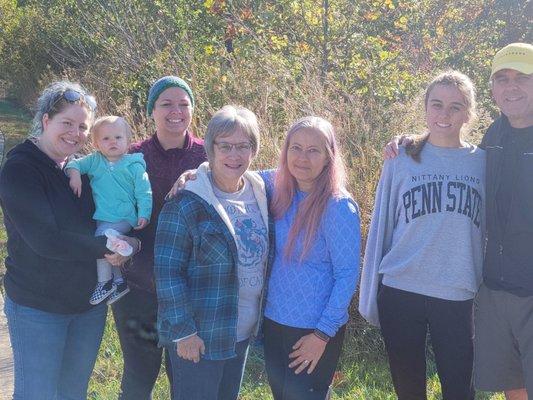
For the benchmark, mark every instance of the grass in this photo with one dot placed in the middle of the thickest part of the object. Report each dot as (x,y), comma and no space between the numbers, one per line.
(14,123)
(363,370)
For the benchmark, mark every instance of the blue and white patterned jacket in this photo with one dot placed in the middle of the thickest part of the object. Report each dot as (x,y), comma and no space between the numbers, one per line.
(196,266)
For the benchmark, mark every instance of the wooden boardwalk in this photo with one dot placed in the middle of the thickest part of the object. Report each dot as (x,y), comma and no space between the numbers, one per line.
(6,357)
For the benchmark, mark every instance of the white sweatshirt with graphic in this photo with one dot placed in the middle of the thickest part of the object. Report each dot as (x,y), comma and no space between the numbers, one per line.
(427,227)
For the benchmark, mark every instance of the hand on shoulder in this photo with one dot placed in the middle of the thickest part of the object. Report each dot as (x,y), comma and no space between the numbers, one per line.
(391,149)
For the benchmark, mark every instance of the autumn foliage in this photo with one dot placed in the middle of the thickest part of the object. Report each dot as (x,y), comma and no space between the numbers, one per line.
(360,64)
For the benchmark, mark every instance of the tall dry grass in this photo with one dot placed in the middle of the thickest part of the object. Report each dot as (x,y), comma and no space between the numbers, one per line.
(121,50)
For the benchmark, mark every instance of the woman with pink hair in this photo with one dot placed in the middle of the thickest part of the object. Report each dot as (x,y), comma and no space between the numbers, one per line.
(315,270)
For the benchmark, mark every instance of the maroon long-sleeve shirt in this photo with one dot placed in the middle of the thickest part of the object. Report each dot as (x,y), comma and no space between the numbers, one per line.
(163,167)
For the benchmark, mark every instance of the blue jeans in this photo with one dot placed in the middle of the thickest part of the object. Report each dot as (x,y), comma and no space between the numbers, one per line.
(54,354)
(208,379)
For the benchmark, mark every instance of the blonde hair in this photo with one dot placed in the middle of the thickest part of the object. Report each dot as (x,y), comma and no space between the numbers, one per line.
(448,78)
(52,102)
(111,120)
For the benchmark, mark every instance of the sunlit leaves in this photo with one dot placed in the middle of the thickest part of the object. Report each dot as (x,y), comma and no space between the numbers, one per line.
(380,49)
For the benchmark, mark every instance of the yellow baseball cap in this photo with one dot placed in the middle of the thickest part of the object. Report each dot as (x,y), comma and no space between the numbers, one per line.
(517,56)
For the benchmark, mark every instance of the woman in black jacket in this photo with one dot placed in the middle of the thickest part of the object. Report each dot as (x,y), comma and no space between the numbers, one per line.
(55,332)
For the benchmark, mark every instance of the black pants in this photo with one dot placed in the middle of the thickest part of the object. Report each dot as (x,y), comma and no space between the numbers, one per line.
(135,318)
(285,384)
(405,318)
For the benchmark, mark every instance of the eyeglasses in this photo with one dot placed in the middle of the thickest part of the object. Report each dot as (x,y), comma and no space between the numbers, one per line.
(225,147)
(72,96)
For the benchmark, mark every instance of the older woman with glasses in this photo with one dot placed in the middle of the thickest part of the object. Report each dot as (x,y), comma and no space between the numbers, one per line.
(55,333)
(211,254)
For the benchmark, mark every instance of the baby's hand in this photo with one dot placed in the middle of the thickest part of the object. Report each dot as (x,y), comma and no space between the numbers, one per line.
(141,223)
(75,184)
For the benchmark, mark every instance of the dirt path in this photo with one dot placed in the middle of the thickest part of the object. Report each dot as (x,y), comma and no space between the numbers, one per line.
(6,357)
(1,147)
(13,127)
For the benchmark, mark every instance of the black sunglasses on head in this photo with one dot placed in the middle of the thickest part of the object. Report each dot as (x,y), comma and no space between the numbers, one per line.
(73,96)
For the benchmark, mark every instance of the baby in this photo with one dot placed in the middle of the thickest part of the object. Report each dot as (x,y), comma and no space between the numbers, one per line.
(122,196)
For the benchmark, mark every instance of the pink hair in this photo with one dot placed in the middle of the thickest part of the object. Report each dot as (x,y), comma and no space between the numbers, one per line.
(330,183)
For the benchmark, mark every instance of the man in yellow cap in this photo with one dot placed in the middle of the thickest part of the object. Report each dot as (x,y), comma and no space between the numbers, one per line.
(503,356)
(503,342)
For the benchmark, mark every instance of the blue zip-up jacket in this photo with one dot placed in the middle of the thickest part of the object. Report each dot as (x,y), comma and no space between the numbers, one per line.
(121,190)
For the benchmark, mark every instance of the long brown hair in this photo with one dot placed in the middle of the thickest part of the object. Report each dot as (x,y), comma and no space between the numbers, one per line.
(448,78)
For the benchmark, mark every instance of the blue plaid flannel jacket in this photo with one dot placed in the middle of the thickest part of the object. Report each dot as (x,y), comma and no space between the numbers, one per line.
(196,275)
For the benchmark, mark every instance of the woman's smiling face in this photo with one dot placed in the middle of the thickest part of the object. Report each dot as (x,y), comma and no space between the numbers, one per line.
(172,111)
(232,156)
(66,132)
(446,111)
(306,157)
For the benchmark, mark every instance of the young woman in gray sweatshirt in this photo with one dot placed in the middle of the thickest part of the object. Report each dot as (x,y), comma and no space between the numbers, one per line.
(423,256)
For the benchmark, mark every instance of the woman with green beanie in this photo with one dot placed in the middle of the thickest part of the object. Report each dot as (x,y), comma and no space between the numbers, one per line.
(171,150)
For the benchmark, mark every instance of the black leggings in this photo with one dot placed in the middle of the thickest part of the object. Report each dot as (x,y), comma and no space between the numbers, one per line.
(285,384)
(135,318)
(405,318)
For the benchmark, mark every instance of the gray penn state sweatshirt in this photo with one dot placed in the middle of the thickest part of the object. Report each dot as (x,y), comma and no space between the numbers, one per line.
(427,227)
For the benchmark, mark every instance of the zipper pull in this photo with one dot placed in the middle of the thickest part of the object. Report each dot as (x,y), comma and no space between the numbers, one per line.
(501,249)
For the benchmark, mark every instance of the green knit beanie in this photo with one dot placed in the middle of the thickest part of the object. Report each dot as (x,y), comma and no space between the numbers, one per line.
(161,85)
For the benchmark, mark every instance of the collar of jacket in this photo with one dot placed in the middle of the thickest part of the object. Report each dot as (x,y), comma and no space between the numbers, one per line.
(202,187)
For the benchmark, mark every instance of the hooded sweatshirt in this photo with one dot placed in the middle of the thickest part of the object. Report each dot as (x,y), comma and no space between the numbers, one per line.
(163,168)
(121,189)
(196,266)
(51,246)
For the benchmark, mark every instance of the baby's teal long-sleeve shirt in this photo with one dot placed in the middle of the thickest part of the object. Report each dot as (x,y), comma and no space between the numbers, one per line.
(121,189)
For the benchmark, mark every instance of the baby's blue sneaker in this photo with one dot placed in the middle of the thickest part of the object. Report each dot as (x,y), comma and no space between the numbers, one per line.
(102,291)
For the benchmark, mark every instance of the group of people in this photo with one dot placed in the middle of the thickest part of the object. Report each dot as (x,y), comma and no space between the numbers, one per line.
(236,255)
(197,266)
(449,246)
